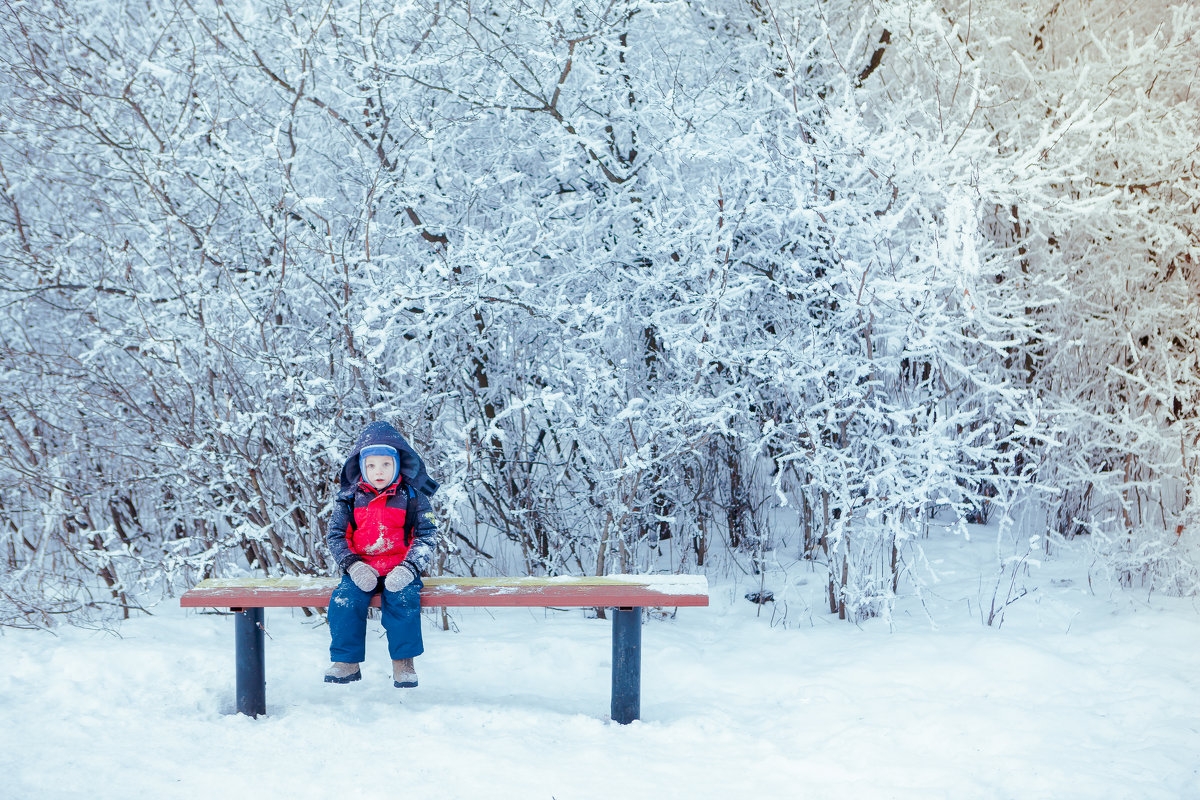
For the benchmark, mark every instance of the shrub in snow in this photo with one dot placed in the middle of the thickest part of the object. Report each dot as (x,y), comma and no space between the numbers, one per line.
(631,274)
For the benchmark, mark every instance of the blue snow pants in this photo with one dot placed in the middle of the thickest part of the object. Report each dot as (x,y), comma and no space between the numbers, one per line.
(348,621)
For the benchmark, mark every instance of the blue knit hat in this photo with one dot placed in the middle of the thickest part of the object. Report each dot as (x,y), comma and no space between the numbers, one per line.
(379,450)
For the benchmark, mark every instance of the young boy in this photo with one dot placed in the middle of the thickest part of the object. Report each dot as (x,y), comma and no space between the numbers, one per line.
(382,536)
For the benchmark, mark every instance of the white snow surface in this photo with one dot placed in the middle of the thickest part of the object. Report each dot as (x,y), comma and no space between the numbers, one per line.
(1086,691)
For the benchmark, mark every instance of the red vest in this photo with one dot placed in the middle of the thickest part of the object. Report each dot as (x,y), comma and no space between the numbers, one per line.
(377,532)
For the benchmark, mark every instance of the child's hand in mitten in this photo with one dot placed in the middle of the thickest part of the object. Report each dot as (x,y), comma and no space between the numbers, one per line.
(364,576)
(398,578)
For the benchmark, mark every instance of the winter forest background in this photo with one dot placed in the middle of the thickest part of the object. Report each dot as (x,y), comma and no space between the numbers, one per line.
(651,284)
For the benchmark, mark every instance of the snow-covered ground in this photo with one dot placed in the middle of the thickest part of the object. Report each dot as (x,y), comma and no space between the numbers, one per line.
(1084,692)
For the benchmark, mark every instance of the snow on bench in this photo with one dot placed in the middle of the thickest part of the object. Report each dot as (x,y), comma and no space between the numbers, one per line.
(610,591)
(628,594)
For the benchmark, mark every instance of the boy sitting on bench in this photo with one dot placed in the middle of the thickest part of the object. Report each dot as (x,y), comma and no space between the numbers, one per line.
(382,537)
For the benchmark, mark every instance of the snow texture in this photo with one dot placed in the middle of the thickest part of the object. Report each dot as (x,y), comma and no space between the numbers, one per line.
(1082,693)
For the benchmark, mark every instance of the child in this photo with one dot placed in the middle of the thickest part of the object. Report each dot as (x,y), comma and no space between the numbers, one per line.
(382,536)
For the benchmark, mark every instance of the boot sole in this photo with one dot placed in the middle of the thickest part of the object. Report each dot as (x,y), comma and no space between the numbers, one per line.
(348,679)
(405,684)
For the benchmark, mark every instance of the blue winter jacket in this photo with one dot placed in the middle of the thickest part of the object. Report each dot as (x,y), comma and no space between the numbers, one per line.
(411,472)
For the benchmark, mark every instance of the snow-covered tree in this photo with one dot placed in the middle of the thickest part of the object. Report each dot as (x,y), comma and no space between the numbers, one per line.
(652,285)
(1087,177)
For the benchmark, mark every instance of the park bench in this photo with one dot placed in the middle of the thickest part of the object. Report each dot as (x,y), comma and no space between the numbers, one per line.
(627,594)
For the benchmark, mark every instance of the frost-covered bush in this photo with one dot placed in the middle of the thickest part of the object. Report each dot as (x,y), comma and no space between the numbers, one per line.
(1090,108)
(630,274)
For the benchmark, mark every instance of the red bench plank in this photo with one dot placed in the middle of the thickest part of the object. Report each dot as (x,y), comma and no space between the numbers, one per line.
(612,591)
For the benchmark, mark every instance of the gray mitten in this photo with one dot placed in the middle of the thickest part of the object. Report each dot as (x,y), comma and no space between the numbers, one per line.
(364,576)
(398,578)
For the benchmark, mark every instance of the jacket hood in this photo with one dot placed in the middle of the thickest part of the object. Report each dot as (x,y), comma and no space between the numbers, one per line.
(411,467)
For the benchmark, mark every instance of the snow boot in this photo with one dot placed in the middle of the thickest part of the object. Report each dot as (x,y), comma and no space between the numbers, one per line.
(342,672)
(404,676)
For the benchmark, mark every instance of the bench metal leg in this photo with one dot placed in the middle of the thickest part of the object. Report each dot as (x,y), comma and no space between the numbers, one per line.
(627,665)
(249,653)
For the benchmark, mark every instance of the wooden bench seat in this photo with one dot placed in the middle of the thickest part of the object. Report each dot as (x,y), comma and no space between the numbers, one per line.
(628,594)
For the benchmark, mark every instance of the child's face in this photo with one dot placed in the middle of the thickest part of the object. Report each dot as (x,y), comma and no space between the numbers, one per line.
(379,470)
